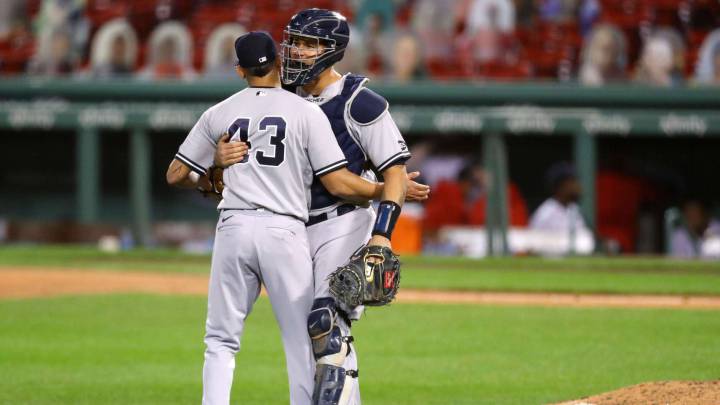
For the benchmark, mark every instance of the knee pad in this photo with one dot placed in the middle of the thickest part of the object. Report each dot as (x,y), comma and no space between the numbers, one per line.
(328,342)
(331,385)
(330,348)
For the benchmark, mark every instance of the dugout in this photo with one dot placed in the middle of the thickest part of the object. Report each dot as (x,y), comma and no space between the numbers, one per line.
(97,151)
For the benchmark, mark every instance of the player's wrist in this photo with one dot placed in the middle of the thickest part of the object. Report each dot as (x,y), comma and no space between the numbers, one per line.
(379,240)
(387,216)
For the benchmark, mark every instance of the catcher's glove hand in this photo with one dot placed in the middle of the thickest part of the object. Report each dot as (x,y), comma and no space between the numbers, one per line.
(215,177)
(363,281)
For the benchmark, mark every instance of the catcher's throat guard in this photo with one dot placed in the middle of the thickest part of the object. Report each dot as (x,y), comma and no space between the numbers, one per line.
(371,277)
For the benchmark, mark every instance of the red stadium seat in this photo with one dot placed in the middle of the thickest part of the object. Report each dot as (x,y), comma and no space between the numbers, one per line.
(205,19)
(544,49)
(691,57)
(695,38)
(14,57)
(99,12)
(33,6)
(504,71)
(273,21)
(669,13)
(444,69)
(546,63)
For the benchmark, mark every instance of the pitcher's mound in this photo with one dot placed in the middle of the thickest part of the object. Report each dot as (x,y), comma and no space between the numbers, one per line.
(660,393)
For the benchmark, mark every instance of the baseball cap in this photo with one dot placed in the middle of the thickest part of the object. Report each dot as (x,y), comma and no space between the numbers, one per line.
(254,49)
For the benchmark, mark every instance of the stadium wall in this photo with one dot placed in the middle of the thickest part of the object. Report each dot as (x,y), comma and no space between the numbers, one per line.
(140,111)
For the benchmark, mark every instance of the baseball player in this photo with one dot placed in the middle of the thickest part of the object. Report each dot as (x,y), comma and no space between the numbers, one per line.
(314,40)
(261,236)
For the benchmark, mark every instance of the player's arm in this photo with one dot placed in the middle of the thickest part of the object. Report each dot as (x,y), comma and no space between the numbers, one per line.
(180,175)
(384,145)
(189,168)
(346,185)
(391,201)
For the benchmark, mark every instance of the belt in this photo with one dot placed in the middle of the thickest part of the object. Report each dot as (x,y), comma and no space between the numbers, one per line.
(258,210)
(244,209)
(341,210)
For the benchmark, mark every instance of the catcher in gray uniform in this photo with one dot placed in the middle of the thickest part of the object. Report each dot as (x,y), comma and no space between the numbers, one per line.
(371,142)
(261,236)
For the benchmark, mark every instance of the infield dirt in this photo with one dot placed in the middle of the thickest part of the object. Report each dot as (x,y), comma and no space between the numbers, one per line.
(41,282)
(660,393)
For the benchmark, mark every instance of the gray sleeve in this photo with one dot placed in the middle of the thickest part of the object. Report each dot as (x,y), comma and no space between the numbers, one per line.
(323,150)
(198,149)
(382,142)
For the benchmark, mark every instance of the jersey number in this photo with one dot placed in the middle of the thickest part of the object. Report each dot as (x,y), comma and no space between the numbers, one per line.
(275,125)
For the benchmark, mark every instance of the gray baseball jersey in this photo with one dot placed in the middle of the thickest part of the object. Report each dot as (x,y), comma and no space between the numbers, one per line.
(291,140)
(261,236)
(366,133)
(363,128)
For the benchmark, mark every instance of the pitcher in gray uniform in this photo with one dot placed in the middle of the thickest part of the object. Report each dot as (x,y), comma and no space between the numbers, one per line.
(314,40)
(261,236)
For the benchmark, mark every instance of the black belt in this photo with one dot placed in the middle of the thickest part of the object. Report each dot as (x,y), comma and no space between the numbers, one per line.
(341,210)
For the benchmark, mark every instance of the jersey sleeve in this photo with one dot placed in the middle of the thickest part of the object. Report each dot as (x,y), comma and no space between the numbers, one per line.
(377,133)
(323,150)
(198,149)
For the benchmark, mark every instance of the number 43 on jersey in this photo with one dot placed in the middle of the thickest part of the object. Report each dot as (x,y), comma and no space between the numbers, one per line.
(275,126)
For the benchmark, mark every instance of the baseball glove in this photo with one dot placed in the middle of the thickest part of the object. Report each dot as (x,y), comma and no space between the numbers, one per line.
(215,177)
(364,282)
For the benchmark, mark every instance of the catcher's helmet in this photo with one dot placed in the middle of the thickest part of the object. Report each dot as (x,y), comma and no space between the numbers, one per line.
(323,27)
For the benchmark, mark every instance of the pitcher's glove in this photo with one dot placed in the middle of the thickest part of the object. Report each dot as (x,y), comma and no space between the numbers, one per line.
(362,282)
(215,177)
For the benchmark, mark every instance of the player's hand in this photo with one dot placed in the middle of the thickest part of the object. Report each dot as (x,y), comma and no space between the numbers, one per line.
(378,240)
(416,191)
(228,153)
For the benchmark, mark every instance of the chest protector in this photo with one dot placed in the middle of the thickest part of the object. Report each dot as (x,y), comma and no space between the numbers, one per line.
(334,109)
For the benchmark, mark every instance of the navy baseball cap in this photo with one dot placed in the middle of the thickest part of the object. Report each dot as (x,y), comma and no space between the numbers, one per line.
(254,49)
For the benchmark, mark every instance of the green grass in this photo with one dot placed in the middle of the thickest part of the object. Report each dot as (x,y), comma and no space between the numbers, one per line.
(586,275)
(90,257)
(140,349)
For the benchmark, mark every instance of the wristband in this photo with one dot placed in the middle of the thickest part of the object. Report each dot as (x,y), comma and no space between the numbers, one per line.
(387,216)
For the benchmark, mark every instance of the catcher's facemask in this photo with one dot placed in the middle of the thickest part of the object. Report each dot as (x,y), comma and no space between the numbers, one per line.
(300,70)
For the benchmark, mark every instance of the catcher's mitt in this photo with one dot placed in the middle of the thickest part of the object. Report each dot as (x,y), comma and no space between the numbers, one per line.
(215,176)
(362,282)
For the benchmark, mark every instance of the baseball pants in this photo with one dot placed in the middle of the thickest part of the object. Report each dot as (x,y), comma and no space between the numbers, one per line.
(254,247)
(332,242)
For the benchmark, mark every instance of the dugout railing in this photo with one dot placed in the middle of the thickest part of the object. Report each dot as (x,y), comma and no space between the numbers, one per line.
(492,111)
